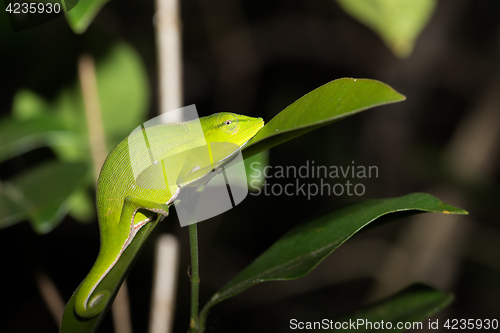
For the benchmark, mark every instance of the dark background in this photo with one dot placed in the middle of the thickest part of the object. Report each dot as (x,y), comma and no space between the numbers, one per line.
(255,58)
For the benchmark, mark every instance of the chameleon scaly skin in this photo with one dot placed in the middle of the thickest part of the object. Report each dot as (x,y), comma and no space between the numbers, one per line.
(120,195)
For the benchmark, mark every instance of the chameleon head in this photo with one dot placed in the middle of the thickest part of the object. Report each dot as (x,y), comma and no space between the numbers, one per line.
(231,127)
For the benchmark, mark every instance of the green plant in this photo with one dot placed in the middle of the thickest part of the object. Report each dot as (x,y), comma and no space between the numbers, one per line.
(61,125)
(303,248)
(122,85)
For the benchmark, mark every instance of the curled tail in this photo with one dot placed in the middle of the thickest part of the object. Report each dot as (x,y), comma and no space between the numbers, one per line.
(90,301)
(115,238)
(91,305)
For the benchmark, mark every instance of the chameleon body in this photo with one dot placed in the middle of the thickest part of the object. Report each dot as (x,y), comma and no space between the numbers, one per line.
(143,175)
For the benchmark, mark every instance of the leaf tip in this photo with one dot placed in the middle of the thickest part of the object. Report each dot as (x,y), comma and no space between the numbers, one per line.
(457,212)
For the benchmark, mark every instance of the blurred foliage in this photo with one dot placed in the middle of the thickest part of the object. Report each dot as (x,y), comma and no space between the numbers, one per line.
(80,17)
(298,46)
(60,124)
(397,22)
(123,95)
(41,195)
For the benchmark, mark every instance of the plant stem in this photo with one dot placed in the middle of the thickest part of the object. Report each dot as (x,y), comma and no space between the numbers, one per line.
(95,128)
(120,310)
(164,286)
(169,47)
(195,277)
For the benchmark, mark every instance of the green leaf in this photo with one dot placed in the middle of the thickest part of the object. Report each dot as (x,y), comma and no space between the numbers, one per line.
(80,16)
(254,167)
(397,22)
(123,89)
(28,105)
(304,247)
(331,102)
(409,306)
(19,137)
(82,206)
(41,195)
(61,125)
(10,212)
(71,323)
(69,107)
(123,92)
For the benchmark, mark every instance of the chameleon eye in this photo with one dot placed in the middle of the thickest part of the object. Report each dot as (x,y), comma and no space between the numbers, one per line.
(227,122)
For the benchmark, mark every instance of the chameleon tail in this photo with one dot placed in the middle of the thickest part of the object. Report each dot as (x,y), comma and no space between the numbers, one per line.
(89,303)
(95,305)
(90,299)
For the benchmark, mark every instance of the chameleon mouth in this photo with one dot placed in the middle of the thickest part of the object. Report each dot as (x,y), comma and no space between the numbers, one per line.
(249,132)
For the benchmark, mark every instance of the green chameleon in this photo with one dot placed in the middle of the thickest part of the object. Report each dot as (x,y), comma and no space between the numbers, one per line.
(143,175)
